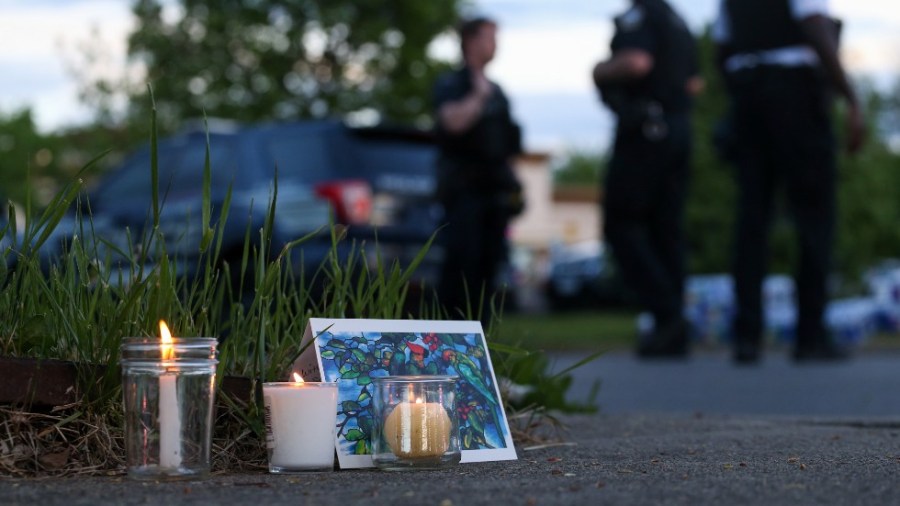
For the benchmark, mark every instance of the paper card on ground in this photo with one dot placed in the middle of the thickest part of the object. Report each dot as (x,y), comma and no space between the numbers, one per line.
(353,351)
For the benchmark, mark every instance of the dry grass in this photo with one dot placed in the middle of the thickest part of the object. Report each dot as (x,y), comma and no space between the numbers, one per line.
(535,426)
(64,442)
(236,446)
(70,442)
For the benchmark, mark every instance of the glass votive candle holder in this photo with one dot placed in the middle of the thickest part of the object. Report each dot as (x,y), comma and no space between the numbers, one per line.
(415,422)
(169,391)
(300,425)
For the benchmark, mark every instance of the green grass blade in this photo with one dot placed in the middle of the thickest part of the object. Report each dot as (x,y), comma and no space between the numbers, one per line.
(154,159)
(576,365)
(207,184)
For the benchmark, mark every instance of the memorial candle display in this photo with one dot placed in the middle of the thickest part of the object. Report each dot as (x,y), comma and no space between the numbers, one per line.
(300,425)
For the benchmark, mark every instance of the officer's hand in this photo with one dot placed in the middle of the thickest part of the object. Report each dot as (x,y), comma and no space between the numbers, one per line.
(694,86)
(480,85)
(856,128)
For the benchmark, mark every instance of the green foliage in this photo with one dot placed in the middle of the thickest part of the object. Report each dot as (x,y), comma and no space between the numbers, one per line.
(35,166)
(868,209)
(709,215)
(567,331)
(252,60)
(545,390)
(579,169)
(26,156)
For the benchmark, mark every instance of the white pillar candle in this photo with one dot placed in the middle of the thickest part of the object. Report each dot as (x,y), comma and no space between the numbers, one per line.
(169,410)
(300,425)
(169,423)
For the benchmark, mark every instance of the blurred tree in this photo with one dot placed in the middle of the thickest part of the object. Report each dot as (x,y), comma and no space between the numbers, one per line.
(251,60)
(578,168)
(29,160)
(888,106)
(711,196)
(869,200)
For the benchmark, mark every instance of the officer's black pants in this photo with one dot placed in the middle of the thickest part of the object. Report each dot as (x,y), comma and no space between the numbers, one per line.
(784,137)
(643,203)
(474,240)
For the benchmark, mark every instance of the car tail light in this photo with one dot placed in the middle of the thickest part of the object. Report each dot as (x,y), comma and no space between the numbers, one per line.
(352,200)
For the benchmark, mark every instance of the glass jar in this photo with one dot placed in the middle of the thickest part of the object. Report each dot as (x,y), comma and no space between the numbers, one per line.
(169,391)
(415,422)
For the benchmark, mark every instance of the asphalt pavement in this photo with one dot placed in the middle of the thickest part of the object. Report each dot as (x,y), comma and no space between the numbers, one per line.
(867,385)
(701,431)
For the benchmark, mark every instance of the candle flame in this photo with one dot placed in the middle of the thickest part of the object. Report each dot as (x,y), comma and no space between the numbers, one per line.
(298,379)
(419,400)
(166,348)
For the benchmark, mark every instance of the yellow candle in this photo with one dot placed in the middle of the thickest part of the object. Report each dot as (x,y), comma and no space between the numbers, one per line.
(417,430)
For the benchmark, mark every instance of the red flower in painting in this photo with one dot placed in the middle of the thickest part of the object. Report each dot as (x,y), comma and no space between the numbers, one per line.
(432,341)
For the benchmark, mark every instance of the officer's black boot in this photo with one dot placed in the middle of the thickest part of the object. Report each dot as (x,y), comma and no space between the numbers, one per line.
(668,341)
(819,350)
(746,351)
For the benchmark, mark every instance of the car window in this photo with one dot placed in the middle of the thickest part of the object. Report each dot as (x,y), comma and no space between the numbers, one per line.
(186,176)
(180,173)
(305,156)
(398,157)
(398,167)
(132,181)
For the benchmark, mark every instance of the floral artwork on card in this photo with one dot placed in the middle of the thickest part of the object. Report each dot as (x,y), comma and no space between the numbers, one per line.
(353,357)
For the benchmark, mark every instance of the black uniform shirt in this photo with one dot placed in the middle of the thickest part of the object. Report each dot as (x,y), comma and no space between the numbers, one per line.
(492,139)
(652,26)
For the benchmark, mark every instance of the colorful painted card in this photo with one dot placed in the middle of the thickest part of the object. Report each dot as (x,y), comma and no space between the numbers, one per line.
(352,352)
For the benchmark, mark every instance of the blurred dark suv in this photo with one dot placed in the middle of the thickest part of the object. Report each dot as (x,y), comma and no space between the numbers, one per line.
(584,276)
(377,181)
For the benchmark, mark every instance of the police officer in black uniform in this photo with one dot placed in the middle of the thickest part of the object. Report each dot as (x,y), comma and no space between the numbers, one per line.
(779,58)
(648,82)
(476,184)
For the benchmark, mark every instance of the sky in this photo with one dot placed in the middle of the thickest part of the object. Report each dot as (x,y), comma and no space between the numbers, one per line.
(545,53)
